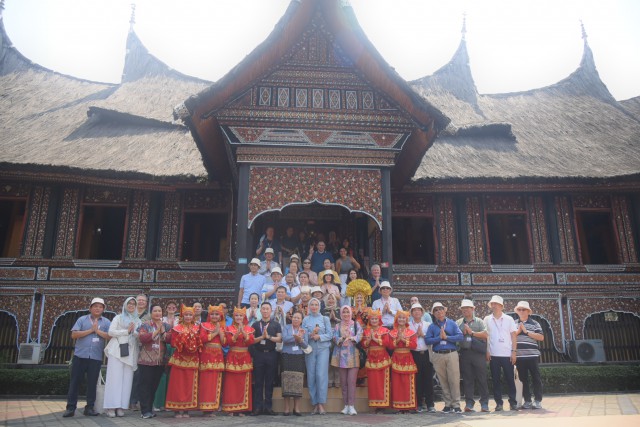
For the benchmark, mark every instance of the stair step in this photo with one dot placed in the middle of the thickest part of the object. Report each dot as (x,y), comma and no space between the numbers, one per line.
(334,400)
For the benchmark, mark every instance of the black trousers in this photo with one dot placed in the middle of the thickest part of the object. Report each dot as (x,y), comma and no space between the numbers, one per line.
(497,364)
(525,366)
(424,378)
(80,366)
(149,380)
(473,368)
(265,367)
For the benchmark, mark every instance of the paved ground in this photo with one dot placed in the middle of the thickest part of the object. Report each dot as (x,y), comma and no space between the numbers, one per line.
(587,410)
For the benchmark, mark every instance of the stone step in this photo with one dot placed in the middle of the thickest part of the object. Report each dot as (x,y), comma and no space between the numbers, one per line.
(334,400)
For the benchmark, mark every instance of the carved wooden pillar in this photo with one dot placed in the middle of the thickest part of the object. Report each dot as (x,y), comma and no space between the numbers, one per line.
(447,236)
(539,234)
(475,221)
(624,227)
(565,231)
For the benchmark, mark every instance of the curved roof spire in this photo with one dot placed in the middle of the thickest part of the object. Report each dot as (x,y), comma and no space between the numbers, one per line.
(464,26)
(132,20)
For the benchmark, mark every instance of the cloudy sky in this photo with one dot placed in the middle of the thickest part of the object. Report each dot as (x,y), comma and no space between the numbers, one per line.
(514,45)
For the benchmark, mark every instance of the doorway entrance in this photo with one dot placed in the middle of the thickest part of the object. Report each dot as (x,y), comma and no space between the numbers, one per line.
(299,226)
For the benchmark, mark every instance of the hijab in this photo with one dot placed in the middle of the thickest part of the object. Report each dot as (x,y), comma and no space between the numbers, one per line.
(130,317)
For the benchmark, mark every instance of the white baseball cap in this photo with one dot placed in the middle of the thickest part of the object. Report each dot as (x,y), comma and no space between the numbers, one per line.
(467,303)
(496,298)
(255,261)
(98,301)
(269,251)
(436,305)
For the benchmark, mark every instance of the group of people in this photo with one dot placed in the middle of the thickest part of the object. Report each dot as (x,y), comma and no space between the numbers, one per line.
(316,323)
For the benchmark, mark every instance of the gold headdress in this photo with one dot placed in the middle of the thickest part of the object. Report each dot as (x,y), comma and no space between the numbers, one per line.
(398,314)
(358,286)
(374,313)
(243,311)
(184,308)
(215,309)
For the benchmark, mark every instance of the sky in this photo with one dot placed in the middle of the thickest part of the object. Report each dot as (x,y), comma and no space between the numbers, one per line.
(514,45)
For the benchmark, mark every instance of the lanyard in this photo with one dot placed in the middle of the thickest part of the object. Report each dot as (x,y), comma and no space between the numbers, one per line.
(262,328)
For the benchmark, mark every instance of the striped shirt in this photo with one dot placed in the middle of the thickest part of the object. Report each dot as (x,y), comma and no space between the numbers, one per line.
(527,346)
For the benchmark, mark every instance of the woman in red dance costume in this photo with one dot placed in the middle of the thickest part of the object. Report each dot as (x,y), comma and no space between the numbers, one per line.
(237,378)
(213,337)
(403,368)
(375,340)
(182,393)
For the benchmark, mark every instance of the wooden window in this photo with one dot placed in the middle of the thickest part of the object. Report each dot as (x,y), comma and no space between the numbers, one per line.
(12,217)
(205,237)
(596,237)
(508,238)
(102,232)
(413,240)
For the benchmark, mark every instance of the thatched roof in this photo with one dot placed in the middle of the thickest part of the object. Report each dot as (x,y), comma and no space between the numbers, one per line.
(45,122)
(632,105)
(572,129)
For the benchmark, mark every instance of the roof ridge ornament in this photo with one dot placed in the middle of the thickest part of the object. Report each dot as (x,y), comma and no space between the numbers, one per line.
(464,26)
(584,32)
(132,20)
(1,6)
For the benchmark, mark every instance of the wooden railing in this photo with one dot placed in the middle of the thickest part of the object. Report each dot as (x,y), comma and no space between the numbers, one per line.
(619,332)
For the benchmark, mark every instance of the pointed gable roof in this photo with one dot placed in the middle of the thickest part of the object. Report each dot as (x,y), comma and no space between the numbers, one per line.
(340,21)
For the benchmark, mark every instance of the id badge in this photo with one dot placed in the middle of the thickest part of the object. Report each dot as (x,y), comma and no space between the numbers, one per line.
(295,348)
(263,342)
(443,342)
(95,339)
(501,340)
(468,338)
(155,346)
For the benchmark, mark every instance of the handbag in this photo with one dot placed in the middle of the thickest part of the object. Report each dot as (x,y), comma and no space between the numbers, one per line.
(519,387)
(124,349)
(98,406)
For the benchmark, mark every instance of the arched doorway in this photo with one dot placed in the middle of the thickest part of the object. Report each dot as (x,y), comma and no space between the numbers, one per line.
(8,337)
(619,332)
(309,223)
(60,348)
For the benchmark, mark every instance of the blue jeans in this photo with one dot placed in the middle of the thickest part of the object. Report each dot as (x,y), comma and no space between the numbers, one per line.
(318,374)
(502,363)
(80,366)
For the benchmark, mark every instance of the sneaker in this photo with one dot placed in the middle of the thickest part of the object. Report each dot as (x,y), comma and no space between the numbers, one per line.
(513,407)
(526,405)
(498,408)
(110,413)
(536,404)
(352,410)
(345,410)
(120,412)
(431,410)
(69,413)
(146,415)
(457,411)
(446,410)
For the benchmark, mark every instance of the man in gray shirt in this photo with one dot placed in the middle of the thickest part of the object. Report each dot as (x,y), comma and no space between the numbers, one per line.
(90,332)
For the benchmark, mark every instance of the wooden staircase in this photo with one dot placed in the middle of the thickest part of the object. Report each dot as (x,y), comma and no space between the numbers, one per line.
(334,400)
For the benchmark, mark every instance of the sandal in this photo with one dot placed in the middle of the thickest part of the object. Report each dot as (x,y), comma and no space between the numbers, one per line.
(286,414)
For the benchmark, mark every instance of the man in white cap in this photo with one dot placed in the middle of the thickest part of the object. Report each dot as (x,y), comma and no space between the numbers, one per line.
(250,283)
(443,334)
(529,333)
(473,353)
(90,332)
(387,305)
(501,351)
(267,266)
(424,377)
(269,288)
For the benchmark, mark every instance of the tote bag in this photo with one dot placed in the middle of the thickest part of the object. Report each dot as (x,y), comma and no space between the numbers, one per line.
(99,405)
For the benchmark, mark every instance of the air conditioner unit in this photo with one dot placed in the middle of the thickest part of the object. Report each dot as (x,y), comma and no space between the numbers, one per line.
(30,354)
(587,351)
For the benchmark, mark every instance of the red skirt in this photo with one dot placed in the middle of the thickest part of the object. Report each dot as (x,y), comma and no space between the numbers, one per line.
(378,383)
(403,391)
(209,390)
(182,392)
(237,392)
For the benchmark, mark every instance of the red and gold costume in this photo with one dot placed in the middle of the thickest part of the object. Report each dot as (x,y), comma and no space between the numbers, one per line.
(378,363)
(182,392)
(211,361)
(403,368)
(238,369)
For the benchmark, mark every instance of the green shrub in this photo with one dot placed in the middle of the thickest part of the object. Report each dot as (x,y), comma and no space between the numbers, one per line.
(34,381)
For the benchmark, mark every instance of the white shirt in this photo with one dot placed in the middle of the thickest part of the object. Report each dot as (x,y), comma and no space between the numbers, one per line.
(500,334)
(394,307)
(413,325)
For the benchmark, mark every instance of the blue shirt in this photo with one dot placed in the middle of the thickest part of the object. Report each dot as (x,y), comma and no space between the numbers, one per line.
(252,284)
(91,346)
(324,330)
(288,342)
(452,330)
(317,260)
(376,293)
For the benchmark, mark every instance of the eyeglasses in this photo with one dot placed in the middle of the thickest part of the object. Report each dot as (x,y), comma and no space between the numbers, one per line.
(438,309)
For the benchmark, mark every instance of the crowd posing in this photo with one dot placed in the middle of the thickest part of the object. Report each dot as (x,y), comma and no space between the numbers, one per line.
(316,321)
